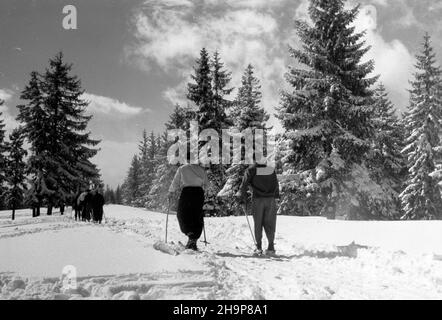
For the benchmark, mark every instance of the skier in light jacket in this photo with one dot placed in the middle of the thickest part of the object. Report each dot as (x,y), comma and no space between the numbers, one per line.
(191,180)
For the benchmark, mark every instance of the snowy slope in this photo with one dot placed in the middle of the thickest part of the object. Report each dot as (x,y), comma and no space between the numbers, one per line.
(318,259)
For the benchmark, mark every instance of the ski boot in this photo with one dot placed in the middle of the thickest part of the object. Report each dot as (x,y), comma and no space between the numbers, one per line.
(270,251)
(257,252)
(191,244)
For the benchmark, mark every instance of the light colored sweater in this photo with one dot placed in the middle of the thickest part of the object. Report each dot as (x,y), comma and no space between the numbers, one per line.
(189,175)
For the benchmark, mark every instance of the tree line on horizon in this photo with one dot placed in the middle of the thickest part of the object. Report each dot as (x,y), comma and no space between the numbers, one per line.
(344,150)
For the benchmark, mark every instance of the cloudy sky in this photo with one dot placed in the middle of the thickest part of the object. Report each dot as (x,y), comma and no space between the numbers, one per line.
(134,57)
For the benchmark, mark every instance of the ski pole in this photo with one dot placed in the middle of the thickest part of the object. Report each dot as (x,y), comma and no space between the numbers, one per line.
(247,218)
(167,216)
(204,230)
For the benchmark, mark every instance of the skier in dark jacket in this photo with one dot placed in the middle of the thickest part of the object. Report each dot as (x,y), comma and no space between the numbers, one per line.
(97,203)
(85,203)
(265,188)
(192,181)
(76,207)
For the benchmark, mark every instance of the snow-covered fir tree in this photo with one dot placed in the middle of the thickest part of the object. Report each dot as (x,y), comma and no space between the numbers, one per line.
(15,172)
(164,171)
(247,110)
(3,148)
(209,91)
(153,161)
(247,113)
(109,195)
(200,92)
(220,86)
(34,126)
(421,198)
(54,122)
(132,185)
(68,122)
(327,114)
(118,195)
(385,161)
(148,151)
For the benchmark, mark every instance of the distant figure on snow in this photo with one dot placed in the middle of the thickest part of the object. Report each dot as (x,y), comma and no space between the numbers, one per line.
(84,202)
(77,207)
(192,181)
(97,203)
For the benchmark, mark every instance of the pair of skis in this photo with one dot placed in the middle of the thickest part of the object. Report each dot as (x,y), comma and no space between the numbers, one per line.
(167,223)
(171,247)
(176,249)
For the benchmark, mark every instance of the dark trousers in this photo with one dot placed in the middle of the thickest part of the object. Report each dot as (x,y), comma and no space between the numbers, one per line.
(190,212)
(264,216)
(77,213)
(97,214)
(86,213)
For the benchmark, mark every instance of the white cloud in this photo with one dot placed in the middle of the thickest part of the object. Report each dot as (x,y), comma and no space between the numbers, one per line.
(169,3)
(6,94)
(301,12)
(170,35)
(172,38)
(100,104)
(393,61)
(176,95)
(408,19)
(383,3)
(256,4)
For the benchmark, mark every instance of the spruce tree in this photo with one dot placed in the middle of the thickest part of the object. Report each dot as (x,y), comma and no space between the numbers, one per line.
(220,87)
(200,92)
(112,196)
(71,143)
(106,194)
(132,184)
(118,195)
(327,113)
(385,161)
(15,172)
(247,110)
(247,113)
(146,170)
(35,126)
(3,149)
(55,124)
(209,94)
(421,198)
(164,171)
(148,164)
(143,146)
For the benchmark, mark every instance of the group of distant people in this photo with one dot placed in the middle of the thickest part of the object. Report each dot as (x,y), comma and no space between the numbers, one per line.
(88,206)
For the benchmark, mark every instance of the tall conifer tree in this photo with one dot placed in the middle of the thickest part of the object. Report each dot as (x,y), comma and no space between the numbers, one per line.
(421,198)
(55,124)
(16,172)
(327,114)
(247,113)
(3,149)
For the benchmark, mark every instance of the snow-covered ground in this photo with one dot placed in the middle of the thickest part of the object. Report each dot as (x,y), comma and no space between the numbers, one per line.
(317,259)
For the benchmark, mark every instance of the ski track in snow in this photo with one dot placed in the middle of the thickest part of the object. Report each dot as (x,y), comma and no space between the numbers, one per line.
(317,259)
